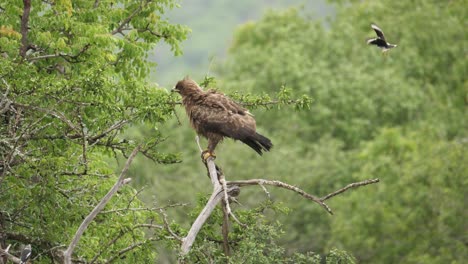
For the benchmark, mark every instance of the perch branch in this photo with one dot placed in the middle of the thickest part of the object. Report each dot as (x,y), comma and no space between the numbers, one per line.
(84,225)
(214,199)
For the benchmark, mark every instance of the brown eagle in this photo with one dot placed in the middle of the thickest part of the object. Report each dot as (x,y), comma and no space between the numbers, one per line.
(214,116)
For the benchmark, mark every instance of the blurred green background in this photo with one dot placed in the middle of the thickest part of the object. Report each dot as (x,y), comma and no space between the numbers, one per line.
(400,118)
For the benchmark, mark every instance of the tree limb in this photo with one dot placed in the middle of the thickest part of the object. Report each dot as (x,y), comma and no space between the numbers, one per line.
(214,199)
(129,248)
(84,225)
(128,19)
(281,185)
(347,187)
(65,56)
(9,256)
(25,27)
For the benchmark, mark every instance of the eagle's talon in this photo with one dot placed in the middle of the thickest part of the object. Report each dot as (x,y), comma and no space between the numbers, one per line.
(206,154)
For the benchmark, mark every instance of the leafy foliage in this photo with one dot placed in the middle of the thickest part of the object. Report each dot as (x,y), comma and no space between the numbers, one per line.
(65,102)
(398,117)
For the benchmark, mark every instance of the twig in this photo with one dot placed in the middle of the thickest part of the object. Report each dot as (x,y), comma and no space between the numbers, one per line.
(226,200)
(129,248)
(143,209)
(120,235)
(167,227)
(347,187)
(58,115)
(127,20)
(281,185)
(266,191)
(84,225)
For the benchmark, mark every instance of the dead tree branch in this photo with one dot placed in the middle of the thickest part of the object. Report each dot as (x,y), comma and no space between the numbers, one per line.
(223,188)
(8,255)
(129,248)
(281,185)
(214,199)
(127,20)
(347,187)
(84,225)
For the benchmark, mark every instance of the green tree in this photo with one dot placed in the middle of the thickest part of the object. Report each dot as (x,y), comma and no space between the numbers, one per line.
(415,96)
(72,79)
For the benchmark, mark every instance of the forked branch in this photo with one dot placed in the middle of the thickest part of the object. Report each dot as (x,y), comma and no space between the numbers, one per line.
(223,188)
(84,225)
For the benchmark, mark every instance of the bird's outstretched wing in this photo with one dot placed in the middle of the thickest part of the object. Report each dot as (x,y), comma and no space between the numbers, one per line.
(376,41)
(378,31)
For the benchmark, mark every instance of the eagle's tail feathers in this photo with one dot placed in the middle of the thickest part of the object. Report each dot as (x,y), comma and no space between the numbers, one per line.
(258,143)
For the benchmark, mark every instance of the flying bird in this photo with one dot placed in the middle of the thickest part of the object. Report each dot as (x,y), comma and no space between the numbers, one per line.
(380,40)
(25,254)
(215,116)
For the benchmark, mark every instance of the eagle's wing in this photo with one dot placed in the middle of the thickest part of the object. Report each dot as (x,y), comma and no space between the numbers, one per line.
(378,31)
(220,115)
(220,100)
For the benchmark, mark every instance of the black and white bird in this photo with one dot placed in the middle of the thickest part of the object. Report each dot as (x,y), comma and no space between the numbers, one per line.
(380,40)
(25,254)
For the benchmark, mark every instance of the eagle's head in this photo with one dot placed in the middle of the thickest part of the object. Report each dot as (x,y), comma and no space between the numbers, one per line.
(186,86)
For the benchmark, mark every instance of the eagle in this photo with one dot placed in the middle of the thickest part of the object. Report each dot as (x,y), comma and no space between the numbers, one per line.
(215,116)
(380,40)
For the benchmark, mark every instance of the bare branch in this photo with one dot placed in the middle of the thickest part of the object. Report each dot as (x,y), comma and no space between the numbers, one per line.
(84,225)
(115,126)
(214,199)
(222,180)
(167,227)
(349,186)
(281,185)
(66,56)
(129,248)
(127,20)
(8,255)
(143,209)
(187,241)
(58,115)
(225,230)
(25,27)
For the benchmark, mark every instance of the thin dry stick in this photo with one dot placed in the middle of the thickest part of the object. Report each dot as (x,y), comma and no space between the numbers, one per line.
(167,227)
(225,230)
(349,186)
(282,185)
(226,200)
(84,225)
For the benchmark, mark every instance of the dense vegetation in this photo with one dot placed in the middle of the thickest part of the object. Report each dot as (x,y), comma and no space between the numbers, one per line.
(400,118)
